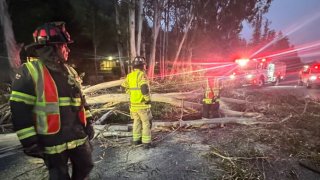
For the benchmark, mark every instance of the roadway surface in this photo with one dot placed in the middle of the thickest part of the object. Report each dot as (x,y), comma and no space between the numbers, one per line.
(290,85)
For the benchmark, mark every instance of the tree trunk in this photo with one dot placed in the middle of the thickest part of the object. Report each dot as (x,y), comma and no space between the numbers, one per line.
(132,6)
(119,41)
(181,43)
(94,42)
(104,85)
(140,20)
(155,32)
(12,47)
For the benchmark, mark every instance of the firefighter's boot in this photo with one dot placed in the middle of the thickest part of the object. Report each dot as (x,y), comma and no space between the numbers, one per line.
(136,142)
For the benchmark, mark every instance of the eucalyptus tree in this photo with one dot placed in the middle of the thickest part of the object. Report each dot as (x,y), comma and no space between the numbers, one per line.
(120,37)
(13,49)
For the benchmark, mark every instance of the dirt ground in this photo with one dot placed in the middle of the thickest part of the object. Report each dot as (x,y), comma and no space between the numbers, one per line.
(181,154)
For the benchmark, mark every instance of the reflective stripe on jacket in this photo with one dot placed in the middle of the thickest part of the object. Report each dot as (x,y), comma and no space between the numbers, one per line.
(62,147)
(211,94)
(46,103)
(133,83)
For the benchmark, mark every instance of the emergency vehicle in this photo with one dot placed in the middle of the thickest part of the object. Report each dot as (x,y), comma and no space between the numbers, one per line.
(310,75)
(259,72)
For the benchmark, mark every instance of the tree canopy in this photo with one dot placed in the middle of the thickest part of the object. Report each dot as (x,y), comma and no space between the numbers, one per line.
(173,31)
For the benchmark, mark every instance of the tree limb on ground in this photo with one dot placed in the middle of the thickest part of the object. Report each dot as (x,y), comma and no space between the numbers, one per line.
(104,85)
(116,98)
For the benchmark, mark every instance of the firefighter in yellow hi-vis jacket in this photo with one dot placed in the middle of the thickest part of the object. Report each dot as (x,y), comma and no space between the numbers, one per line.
(137,86)
(211,99)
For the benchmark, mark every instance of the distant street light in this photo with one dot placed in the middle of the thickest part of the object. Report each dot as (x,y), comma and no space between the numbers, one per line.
(110,58)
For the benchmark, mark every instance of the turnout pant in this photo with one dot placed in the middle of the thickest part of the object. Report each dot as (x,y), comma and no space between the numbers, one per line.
(210,110)
(81,161)
(142,123)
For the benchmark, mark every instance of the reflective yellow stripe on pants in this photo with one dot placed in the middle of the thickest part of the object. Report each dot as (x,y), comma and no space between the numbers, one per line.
(62,147)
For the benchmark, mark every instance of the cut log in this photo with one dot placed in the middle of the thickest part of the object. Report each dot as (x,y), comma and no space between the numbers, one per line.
(232,113)
(9,145)
(104,117)
(8,141)
(104,85)
(102,99)
(116,133)
(165,99)
(192,123)
(201,122)
(231,100)
(118,127)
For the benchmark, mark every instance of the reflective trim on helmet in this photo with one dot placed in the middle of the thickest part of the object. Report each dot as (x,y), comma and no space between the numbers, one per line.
(50,33)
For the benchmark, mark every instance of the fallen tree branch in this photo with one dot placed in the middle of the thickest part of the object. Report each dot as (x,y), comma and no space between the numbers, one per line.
(192,123)
(235,158)
(240,114)
(104,117)
(104,85)
(232,100)
(116,133)
(101,99)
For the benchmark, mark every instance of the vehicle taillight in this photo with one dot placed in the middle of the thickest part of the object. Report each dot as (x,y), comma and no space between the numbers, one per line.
(249,76)
(242,62)
(313,78)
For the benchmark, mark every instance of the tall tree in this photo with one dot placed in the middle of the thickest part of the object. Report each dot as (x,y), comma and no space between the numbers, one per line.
(186,28)
(132,32)
(140,21)
(119,38)
(154,13)
(13,49)
(257,24)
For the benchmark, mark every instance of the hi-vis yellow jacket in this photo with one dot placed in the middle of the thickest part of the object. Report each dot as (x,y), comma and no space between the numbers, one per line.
(211,94)
(41,105)
(137,86)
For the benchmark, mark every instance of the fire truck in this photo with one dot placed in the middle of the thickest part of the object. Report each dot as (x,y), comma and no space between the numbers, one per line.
(259,72)
(310,75)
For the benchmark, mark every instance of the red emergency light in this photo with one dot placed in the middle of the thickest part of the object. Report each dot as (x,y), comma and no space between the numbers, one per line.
(242,62)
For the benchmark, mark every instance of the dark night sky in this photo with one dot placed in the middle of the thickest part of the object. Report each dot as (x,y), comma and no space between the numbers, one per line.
(299,19)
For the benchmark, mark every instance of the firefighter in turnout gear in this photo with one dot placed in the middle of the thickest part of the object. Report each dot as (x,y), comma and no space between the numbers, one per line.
(49,111)
(211,99)
(137,86)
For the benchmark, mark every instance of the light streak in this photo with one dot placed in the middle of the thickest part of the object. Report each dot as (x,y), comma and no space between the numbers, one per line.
(294,29)
(200,70)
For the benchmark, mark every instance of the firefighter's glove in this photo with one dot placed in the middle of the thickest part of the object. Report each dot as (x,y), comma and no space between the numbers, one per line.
(90,131)
(148,102)
(34,151)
